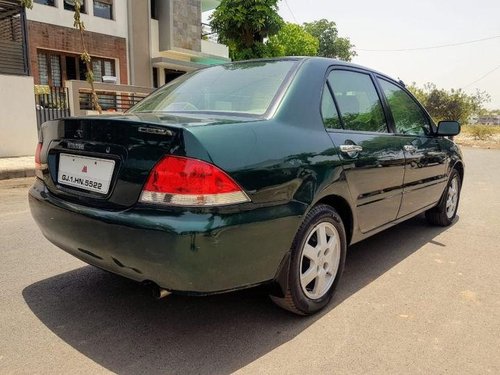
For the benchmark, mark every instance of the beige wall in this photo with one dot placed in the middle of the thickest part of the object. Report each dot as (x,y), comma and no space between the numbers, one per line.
(141,71)
(57,15)
(18,131)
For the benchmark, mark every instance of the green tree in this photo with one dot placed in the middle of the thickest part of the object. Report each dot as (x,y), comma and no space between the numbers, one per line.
(330,44)
(244,24)
(292,40)
(454,104)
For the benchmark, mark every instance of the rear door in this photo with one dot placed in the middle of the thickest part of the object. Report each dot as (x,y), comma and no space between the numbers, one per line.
(373,159)
(425,167)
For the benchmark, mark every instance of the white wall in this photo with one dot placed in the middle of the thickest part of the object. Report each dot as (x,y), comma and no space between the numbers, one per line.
(155,38)
(215,49)
(18,131)
(59,16)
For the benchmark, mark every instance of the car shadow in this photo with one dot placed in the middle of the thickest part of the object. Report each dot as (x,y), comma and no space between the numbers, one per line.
(114,323)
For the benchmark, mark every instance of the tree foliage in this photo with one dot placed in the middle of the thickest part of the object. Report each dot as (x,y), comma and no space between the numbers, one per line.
(253,29)
(244,24)
(454,104)
(330,44)
(292,40)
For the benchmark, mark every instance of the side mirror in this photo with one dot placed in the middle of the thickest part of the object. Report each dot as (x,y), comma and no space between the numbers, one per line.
(448,128)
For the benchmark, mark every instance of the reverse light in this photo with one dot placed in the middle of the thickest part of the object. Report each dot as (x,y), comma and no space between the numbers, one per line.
(181,181)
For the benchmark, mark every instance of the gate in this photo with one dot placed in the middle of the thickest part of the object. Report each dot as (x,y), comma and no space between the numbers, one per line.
(51,103)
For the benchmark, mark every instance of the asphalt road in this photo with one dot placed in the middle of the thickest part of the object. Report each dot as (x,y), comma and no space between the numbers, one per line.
(414,299)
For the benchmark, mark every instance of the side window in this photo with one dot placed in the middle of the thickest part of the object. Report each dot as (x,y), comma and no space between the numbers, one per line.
(408,116)
(329,112)
(358,101)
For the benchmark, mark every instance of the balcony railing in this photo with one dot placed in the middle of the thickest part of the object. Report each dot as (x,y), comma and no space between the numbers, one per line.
(111,97)
(109,100)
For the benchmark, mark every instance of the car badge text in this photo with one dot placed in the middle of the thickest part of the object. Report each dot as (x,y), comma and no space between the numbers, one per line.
(154,131)
(76,145)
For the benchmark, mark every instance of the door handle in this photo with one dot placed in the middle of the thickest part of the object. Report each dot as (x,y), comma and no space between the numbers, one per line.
(351,150)
(409,148)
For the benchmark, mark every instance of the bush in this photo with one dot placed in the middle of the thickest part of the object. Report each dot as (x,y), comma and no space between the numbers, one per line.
(481,132)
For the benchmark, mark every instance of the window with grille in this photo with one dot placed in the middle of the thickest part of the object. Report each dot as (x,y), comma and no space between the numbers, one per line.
(43,70)
(102,67)
(54,68)
(49,69)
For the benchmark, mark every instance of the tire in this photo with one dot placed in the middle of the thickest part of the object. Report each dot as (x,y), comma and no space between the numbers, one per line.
(317,261)
(446,210)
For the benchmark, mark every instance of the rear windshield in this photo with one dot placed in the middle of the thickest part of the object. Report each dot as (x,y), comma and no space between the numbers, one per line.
(243,88)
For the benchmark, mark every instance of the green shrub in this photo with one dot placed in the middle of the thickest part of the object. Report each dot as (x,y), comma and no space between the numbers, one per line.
(482,132)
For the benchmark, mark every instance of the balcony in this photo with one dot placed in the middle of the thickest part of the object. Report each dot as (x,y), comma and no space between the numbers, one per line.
(186,57)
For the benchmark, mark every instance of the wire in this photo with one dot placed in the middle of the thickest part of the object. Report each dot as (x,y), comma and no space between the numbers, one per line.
(291,11)
(431,47)
(482,77)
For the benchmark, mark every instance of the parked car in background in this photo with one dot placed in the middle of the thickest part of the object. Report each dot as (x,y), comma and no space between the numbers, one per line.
(249,173)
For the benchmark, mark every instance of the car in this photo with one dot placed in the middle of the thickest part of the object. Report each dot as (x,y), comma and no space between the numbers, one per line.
(250,173)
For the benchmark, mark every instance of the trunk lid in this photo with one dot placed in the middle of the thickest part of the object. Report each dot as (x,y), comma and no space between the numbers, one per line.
(82,153)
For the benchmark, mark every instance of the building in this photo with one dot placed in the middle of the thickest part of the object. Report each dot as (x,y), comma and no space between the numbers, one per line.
(487,120)
(136,44)
(17,102)
(140,42)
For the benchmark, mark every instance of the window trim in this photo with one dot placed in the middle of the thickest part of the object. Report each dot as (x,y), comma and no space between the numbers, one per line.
(377,90)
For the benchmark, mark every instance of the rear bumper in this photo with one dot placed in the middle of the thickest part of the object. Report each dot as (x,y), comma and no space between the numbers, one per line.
(179,251)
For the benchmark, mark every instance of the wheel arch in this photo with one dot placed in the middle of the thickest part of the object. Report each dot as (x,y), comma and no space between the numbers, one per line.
(280,282)
(459,166)
(344,210)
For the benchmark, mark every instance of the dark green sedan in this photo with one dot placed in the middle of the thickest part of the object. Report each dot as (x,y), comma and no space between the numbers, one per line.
(250,173)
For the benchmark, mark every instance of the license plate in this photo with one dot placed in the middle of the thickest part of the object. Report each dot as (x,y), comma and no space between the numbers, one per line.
(86,173)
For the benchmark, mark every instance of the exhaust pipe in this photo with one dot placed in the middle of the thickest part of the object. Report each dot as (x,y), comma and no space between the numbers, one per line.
(157,291)
(160,293)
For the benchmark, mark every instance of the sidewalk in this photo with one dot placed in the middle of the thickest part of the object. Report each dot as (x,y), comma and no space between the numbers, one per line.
(17,167)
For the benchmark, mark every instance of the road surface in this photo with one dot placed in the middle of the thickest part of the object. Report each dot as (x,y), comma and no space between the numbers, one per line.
(414,299)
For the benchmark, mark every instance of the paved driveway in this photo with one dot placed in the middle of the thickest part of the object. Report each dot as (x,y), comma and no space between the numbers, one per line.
(414,299)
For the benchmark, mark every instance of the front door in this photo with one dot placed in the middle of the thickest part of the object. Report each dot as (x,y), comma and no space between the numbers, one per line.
(425,167)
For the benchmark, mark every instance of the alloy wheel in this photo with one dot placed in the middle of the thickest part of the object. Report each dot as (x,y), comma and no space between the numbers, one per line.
(452,198)
(320,260)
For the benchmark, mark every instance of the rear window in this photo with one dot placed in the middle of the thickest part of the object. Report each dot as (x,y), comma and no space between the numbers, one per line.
(243,88)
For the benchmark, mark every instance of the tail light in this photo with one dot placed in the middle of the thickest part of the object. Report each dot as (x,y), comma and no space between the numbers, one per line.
(180,181)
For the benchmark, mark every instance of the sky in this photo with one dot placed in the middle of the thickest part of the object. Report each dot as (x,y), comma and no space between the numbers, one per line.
(400,24)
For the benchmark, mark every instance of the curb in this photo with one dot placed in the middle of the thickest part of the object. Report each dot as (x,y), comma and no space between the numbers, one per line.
(17,173)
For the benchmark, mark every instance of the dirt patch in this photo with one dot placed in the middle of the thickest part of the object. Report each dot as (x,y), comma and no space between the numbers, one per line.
(464,139)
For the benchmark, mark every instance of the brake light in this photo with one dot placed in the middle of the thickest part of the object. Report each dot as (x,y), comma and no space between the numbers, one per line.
(181,181)
(38,160)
